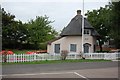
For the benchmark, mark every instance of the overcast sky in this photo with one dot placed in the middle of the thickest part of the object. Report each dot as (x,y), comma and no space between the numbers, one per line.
(61,11)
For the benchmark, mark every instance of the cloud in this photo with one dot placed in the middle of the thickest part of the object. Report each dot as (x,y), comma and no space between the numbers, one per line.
(55,0)
(61,12)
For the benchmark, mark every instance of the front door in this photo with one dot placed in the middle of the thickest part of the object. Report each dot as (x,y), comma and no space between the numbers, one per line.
(57,48)
(86,49)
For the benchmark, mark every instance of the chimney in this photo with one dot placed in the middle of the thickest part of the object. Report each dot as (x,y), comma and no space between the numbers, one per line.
(78,12)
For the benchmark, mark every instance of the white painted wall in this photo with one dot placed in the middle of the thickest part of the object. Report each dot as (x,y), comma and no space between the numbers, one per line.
(66,41)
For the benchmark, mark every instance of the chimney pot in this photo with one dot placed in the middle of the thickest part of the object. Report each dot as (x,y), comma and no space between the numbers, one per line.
(78,12)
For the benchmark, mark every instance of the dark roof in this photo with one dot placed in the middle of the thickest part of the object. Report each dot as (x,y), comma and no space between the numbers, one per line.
(74,28)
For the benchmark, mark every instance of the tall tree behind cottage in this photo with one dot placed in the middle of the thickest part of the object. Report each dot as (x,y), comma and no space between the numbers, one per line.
(99,19)
(115,23)
(106,21)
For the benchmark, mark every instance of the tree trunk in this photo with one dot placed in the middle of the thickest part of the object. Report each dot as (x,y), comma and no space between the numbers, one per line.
(100,45)
(5,56)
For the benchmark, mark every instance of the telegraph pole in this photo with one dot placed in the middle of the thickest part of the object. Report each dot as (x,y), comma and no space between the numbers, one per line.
(83,29)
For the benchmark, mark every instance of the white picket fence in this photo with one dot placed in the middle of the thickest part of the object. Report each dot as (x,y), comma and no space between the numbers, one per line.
(106,56)
(39,57)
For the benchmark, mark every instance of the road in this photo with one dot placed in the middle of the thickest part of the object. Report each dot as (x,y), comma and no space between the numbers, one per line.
(83,70)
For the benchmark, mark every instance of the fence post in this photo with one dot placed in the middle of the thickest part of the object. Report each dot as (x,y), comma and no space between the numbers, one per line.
(14,58)
(75,56)
(8,58)
(34,56)
(90,55)
(23,58)
(30,58)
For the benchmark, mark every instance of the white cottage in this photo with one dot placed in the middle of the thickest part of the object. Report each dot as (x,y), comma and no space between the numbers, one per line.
(71,37)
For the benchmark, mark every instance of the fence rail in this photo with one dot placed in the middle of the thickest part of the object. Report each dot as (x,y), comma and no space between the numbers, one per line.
(106,56)
(39,57)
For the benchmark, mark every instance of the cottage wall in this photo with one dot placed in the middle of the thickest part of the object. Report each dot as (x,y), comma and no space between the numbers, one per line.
(66,41)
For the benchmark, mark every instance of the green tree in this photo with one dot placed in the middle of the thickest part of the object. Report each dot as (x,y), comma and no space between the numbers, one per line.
(33,33)
(115,23)
(13,32)
(0,28)
(40,30)
(7,18)
(99,19)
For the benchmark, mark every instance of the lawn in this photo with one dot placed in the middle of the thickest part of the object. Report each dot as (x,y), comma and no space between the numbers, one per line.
(58,61)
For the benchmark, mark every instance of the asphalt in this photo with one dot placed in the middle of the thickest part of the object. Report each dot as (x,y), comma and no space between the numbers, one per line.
(45,68)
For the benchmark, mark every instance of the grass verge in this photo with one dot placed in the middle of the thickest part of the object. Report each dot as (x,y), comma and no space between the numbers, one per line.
(57,61)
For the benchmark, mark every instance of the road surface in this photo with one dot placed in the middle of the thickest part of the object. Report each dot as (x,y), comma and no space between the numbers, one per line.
(84,70)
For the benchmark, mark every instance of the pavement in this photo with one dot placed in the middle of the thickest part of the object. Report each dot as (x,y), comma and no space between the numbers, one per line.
(84,70)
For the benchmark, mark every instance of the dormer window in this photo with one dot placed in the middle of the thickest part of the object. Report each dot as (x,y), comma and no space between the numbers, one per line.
(87,32)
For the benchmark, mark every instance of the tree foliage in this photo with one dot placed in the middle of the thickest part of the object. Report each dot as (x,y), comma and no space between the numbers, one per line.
(14,32)
(99,19)
(40,30)
(29,35)
(106,21)
(7,18)
(115,23)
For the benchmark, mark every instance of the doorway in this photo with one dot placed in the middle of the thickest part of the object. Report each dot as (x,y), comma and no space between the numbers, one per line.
(87,47)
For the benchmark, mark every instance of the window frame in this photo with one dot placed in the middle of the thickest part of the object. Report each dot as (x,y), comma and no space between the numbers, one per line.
(56,47)
(73,47)
(86,32)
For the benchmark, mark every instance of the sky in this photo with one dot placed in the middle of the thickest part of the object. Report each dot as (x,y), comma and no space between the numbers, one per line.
(59,11)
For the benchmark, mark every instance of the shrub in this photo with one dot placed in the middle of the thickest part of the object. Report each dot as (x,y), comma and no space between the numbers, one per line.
(4,54)
(64,54)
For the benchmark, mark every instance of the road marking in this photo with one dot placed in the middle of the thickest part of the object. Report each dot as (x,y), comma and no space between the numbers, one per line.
(57,73)
(18,74)
(81,75)
(36,74)
(46,74)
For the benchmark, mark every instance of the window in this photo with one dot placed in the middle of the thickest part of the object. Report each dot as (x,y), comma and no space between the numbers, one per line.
(73,47)
(57,48)
(87,31)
